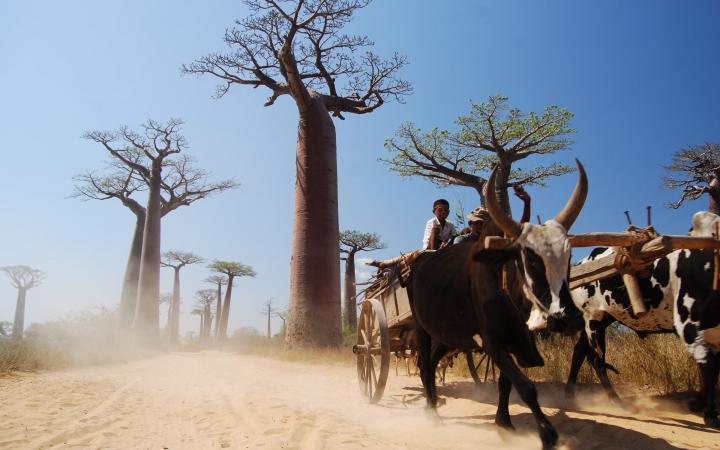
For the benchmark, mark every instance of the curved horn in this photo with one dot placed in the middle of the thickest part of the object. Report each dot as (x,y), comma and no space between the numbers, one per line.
(572,208)
(505,222)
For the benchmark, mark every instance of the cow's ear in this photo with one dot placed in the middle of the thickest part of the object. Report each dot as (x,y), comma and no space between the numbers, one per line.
(496,256)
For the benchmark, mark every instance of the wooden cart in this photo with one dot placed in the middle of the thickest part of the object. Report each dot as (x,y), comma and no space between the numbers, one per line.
(384,318)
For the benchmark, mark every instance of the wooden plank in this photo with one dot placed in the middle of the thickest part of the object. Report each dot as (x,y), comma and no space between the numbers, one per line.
(600,239)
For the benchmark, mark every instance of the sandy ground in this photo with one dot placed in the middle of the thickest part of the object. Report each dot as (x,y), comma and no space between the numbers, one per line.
(216,400)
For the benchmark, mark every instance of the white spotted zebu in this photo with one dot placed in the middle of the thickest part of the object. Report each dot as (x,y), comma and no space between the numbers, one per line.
(677,294)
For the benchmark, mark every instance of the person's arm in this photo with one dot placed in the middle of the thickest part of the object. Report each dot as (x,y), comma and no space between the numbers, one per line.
(433,238)
(525,197)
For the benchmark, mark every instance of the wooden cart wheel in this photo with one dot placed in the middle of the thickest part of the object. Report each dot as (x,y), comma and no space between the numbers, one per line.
(372,350)
(477,362)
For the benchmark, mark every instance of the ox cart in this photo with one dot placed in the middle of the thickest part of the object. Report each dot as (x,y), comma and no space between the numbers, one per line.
(384,322)
(385,316)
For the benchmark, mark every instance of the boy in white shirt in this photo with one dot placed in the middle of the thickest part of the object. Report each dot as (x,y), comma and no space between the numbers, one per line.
(438,231)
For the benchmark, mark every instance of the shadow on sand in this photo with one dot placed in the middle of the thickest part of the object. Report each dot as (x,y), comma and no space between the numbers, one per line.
(577,432)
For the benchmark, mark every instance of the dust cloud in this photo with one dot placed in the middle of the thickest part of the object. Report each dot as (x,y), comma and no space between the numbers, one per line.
(212,399)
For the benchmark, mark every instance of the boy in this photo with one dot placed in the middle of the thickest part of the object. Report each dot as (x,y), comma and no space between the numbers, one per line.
(438,231)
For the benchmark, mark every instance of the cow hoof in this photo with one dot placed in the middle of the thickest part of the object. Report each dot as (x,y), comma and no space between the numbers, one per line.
(712,421)
(548,436)
(503,421)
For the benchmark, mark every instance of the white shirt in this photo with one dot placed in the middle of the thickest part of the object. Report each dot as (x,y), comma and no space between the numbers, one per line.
(445,232)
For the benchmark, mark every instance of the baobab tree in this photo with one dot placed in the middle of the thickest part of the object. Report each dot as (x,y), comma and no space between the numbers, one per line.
(352,242)
(146,162)
(166,299)
(231,270)
(177,260)
(268,310)
(300,50)
(493,133)
(205,298)
(22,278)
(219,281)
(695,170)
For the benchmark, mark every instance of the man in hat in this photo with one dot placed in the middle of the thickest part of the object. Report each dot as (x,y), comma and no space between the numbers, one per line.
(479,217)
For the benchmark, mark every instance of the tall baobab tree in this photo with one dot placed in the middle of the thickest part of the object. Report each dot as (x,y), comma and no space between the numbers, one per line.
(352,242)
(205,298)
(696,170)
(199,312)
(231,270)
(299,50)
(493,133)
(269,311)
(146,162)
(177,260)
(166,298)
(22,278)
(218,281)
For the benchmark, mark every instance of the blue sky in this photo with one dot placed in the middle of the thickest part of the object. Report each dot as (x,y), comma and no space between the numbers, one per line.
(641,78)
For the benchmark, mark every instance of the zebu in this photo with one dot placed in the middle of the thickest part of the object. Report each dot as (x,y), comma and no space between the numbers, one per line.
(458,302)
(678,296)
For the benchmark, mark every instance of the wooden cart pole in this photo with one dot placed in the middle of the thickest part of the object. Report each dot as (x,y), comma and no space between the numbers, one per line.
(634,294)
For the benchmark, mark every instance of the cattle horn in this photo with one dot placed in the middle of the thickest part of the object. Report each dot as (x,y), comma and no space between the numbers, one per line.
(572,208)
(505,222)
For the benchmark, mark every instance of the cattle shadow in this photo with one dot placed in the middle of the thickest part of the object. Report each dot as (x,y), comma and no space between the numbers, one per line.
(551,395)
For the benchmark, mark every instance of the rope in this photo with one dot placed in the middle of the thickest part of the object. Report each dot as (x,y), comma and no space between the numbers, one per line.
(628,259)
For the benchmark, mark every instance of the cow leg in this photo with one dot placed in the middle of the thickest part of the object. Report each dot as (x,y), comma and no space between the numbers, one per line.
(580,352)
(502,416)
(598,361)
(438,352)
(709,378)
(527,392)
(397,360)
(427,369)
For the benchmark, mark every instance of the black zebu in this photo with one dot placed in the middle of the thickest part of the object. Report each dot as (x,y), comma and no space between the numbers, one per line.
(678,297)
(458,302)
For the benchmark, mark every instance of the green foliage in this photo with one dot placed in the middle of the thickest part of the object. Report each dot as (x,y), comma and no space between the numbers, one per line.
(491,133)
(232,268)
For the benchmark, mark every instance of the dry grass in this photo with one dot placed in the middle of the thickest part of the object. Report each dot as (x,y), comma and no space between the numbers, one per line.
(657,364)
(275,348)
(86,338)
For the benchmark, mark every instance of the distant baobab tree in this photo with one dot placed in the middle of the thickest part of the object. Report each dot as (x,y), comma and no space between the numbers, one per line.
(147,161)
(231,270)
(166,298)
(22,278)
(177,260)
(205,299)
(352,242)
(219,281)
(299,49)
(695,170)
(493,133)
(268,310)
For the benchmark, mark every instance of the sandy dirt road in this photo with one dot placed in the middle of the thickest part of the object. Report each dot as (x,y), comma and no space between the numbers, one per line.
(217,400)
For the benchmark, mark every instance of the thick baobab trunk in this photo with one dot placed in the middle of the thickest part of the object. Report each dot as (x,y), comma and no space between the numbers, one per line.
(174,318)
(147,308)
(218,312)
(714,196)
(501,188)
(128,296)
(314,311)
(223,323)
(19,324)
(350,292)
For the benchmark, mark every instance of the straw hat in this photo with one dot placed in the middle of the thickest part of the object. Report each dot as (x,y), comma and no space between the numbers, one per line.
(478,213)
